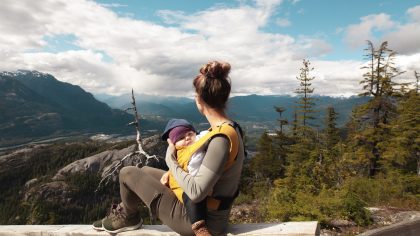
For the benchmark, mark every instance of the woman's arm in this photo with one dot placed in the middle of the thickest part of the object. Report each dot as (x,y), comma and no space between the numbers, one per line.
(199,186)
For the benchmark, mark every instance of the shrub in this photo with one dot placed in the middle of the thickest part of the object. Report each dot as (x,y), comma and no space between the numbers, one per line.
(329,204)
(354,209)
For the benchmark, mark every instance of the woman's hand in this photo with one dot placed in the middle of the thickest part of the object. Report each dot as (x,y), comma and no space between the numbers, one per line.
(171,145)
(165,179)
(170,153)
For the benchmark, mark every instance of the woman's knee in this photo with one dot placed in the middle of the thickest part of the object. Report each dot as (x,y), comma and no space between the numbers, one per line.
(134,173)
(128,172)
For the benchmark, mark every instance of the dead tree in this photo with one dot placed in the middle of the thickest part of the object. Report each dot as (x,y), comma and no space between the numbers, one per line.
(113,172)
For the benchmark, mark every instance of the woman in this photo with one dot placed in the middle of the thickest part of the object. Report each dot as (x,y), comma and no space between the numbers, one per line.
(217,179)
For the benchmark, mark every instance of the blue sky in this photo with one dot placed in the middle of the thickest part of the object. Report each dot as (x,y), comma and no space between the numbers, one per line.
(324,19)
(156,47)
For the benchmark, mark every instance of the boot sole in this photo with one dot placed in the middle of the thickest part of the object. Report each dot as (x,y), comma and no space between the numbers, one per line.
(98,228)
(129,228)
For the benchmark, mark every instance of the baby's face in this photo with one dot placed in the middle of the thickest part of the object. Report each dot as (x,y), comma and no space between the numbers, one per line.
(188,139)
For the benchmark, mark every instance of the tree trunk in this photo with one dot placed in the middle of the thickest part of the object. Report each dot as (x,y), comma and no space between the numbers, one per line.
(373,161)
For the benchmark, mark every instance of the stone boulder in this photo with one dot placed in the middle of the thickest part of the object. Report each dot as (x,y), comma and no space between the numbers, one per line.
(102,162)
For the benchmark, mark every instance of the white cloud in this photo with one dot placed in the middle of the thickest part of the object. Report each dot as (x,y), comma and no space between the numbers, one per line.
(402,37)
(113,5)
(337,78)
(312,47)
(357,34)
(405,39)
(414,13)
(268,4)
(283,22)
(409,64)
(162,59)
(171,17)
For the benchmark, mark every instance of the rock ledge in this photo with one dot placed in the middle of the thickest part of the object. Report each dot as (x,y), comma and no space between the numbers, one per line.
(309,228)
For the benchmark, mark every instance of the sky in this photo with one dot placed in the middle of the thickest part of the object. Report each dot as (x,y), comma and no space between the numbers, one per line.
(157,47)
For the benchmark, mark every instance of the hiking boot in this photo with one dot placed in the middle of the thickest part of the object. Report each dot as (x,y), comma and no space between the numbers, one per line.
(118,221)
(200,228)
(97,225)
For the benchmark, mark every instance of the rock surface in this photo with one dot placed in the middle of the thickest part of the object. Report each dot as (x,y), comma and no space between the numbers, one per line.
(104,161)
(381,216)
(308,228)
(9,162)
(56,191)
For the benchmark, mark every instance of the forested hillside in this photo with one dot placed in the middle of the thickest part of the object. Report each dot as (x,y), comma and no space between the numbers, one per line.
(333,173)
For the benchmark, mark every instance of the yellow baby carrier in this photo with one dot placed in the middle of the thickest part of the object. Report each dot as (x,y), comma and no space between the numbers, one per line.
(184,156)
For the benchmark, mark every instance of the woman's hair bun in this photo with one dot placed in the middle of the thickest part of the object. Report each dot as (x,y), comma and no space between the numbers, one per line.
(216,70)
(212,85)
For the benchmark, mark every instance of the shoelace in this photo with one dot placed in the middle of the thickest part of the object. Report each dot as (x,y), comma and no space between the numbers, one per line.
(112,209)
(116,212)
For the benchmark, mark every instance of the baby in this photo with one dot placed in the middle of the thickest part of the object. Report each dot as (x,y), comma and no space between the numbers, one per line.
(182,133)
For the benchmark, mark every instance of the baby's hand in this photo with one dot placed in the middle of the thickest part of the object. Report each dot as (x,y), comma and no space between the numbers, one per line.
(165,179)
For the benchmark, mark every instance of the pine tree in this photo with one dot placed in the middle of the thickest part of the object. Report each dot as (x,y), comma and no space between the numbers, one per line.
(281,121)
(403,149)
(417,81)
(305,103)
(267,163)
(329,152)
(373,118)
(295,124)
(300,159)
(300,172)
(331,131)
(378,82)
(369,77)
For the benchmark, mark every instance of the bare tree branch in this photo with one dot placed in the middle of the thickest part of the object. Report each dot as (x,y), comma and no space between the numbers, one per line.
(114,170)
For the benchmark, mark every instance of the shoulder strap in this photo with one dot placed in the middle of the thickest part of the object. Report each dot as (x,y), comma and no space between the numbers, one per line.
(184,153)
(237,126)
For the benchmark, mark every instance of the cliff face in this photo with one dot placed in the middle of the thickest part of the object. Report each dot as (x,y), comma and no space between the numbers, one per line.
(96,163)
(41,191)
(102,162)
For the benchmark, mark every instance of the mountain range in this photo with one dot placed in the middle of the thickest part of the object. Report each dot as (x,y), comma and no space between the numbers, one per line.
(37,105)
(250,108)
(34,105)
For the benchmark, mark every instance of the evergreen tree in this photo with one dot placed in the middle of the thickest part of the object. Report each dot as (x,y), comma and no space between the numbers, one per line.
(301,162)
(305,103)
(331,131)
(329,152)
(372,119)
(378,82)
(369,81)
(295,123)
(417,81)
(403,149)
(267,163)
(281,121)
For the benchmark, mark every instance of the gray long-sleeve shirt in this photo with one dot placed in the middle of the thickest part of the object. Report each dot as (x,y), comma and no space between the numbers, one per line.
(211,177)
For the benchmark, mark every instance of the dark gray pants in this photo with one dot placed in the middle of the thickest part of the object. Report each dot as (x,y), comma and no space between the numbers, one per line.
(144,185)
